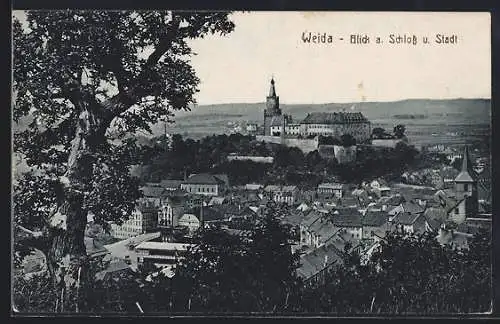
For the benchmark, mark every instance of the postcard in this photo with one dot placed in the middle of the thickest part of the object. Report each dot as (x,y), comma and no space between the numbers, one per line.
(199,163)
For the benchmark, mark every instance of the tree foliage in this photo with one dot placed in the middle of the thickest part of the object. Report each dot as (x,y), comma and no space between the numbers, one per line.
(84,81)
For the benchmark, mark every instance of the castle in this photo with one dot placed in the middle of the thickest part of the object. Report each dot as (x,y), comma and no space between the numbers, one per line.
(333,124)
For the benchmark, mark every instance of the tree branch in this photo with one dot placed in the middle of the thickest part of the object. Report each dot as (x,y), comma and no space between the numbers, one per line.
(164,43)
(36,234)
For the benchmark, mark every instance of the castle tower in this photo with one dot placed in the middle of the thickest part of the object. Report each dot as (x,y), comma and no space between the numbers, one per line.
(272,108)
(466,186)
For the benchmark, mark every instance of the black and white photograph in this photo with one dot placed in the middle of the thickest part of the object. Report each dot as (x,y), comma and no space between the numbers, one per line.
(251,163)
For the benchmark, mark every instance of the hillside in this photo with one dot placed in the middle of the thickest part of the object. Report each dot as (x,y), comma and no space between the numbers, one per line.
(209,119)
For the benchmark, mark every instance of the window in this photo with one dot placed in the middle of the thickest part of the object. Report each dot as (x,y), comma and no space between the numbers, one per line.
(456,211)
(466,187)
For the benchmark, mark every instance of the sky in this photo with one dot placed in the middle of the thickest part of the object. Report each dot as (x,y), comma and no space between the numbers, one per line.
(237,68)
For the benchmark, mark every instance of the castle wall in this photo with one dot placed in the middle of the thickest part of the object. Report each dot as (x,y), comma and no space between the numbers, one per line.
(345,154)
(386,142)
(306,145)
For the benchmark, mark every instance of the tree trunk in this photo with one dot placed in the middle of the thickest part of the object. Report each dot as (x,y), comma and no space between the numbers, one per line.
(67,252)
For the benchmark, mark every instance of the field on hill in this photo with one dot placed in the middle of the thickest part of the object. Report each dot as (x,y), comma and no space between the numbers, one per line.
(427,121)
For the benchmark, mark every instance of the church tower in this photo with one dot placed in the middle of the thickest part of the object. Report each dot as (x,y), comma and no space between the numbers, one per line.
(272,108)
(466,186)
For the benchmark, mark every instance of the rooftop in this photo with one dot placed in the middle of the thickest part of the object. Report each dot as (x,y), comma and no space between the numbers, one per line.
(335,118)
(329,185)
(205,178)
(163,246)
(375,218)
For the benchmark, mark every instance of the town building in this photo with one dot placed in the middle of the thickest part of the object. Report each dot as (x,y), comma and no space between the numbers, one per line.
(331,189)
(333,124)
(375,224)
(142,220)
(170,211)
(466,190)
(337,124)
(206,184)
(190,221)
(274,120)
(161,254)
(282,194)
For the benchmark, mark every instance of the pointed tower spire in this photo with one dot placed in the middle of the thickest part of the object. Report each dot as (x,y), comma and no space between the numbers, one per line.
(466,164)
(466,174)
(272,90)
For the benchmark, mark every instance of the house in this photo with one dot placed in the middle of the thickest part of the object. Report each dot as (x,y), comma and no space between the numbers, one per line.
(382,191)
(282,194)
(331,189)
(153,193)
(143,219)
(217,201)
(348,219)
(375,224)
(320,231)
(170,185)
(303,207)
(161,254)
(316,263)
(453,238)
(306,237)
(171,210)
(190,221)
(409,222)
(361,194)
(206,184)
(435,217)
(377,184)
(253,187)
(349,202)
(288,195)
(411,207)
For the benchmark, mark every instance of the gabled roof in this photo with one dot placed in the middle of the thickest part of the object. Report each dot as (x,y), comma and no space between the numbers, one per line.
(204,178)
(217,201)
(316,260)
(329,185)
(272,188)
(170,184)
(435,216)
(349,201)
(394,200)
(406,218)
(412,207)
(311,217)
(375,218)
(346,217)
(293,218)
(288,188)
(152,191)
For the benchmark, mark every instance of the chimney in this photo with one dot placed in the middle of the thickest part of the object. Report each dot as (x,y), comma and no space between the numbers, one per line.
(326,261)
(185,175)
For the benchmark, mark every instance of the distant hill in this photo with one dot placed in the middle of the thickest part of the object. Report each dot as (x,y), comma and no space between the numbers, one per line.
(208,119)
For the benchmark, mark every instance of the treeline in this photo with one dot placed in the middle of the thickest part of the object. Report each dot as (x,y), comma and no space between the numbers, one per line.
(290,166)
(409,274)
